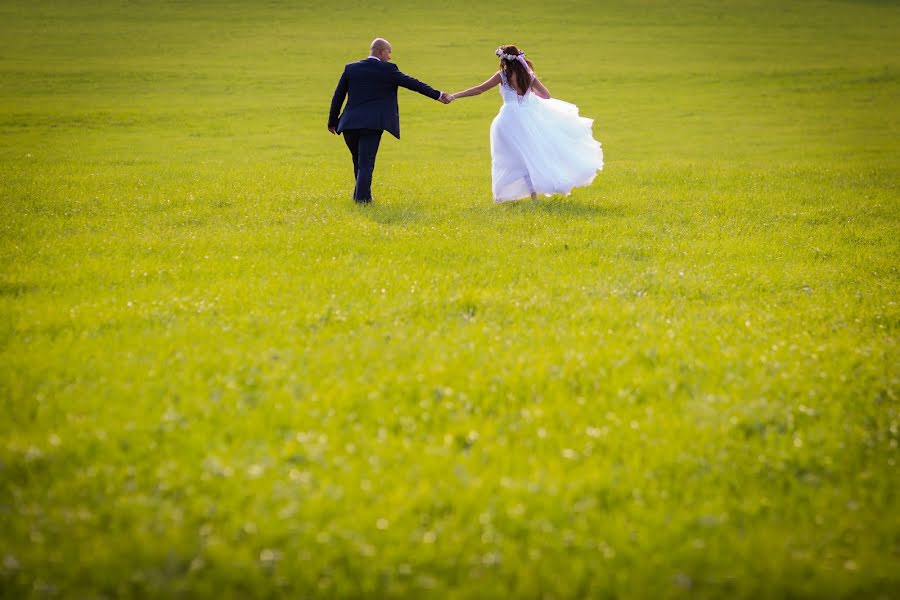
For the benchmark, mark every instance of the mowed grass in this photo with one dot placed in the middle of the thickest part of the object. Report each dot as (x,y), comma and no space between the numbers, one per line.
(220,378)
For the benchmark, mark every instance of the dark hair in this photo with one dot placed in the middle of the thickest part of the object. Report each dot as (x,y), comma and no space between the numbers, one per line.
(510,67)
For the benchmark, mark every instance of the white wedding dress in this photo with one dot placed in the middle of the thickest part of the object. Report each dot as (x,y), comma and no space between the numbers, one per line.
(540,146)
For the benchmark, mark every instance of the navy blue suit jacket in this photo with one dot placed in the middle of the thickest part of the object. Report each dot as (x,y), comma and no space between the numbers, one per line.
(370,87)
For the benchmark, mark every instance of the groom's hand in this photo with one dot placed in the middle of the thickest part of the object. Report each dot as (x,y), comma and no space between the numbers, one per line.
(446,98)
(333,130)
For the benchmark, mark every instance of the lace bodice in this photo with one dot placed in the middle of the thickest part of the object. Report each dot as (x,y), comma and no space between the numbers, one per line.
(511,95)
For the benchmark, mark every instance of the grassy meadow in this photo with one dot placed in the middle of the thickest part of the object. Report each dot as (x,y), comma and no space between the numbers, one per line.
(221,378)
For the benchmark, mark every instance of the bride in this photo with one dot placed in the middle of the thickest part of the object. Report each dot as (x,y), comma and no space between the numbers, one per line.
(539,145)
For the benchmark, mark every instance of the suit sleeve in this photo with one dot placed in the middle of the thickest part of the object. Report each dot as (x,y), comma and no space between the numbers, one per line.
(340,93)
(411,83)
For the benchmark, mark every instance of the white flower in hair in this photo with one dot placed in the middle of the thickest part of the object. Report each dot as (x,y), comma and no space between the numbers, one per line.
(509,57)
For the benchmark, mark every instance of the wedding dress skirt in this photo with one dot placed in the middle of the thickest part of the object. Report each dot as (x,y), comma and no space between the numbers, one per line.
(540,146)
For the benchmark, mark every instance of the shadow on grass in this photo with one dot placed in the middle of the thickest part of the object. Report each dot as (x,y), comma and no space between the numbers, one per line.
(16,290)
(390,214)
(563,206)
(406,214)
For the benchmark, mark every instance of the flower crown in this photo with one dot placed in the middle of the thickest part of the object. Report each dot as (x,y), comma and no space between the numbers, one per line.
(501,54)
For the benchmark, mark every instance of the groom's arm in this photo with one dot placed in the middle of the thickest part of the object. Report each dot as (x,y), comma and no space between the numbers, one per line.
(411,83)
(340,92)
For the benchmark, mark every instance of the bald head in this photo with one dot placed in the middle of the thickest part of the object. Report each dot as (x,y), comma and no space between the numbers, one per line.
(380,49)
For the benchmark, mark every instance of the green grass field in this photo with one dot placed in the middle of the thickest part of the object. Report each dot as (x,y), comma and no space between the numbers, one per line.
(221,378)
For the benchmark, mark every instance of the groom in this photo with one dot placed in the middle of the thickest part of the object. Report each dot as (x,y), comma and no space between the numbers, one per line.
(370,86)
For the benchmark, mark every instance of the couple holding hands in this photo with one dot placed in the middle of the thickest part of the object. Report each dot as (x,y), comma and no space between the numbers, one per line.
(539,145)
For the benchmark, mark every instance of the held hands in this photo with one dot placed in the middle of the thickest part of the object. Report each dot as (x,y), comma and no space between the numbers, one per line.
(444,98)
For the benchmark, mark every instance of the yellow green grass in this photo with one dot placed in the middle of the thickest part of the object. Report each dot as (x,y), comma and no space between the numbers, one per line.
(221,378)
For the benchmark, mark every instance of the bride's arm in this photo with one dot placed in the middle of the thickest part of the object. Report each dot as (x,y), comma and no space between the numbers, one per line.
(479,89)
(539,88)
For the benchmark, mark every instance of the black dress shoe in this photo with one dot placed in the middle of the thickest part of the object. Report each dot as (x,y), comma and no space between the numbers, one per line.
(364,201)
